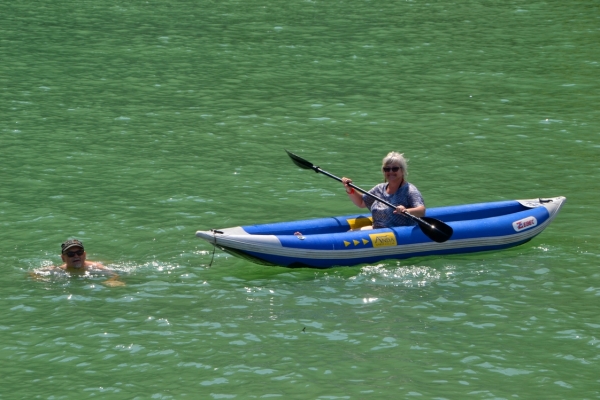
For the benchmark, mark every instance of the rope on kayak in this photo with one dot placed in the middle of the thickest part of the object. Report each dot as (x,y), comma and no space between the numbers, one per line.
(214,231)
(213,257)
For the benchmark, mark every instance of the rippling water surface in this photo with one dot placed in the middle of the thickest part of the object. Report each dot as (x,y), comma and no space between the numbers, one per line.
(132,125)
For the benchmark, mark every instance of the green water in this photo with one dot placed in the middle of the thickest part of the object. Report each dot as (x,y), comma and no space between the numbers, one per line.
(130,125)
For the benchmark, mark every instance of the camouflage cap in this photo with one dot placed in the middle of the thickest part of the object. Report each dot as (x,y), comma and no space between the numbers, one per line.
(71,243)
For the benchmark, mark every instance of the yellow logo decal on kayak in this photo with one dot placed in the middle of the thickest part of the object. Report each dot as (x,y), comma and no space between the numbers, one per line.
(365,241)
(357,223)
(346,243)
(383,239)
(356,242)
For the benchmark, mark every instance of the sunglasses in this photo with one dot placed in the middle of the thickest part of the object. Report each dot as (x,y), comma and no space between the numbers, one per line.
(388,169)
(72,253)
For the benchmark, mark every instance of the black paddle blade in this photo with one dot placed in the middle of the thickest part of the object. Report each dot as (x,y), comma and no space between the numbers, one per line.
(436,230)
(301,162)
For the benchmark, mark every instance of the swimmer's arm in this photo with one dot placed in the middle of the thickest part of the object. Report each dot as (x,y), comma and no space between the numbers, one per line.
(114,277)
(39,274)
(114,281)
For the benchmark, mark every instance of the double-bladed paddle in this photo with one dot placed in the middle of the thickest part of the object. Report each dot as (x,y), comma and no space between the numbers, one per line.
(435,229)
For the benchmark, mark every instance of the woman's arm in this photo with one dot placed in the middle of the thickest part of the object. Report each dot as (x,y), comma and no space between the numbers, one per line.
(355,196)
(418,211)
(414,198)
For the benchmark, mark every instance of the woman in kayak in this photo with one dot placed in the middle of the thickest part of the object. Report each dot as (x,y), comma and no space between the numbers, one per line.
(396,190)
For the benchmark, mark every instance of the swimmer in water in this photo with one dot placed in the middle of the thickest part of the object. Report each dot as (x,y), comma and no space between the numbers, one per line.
(74,257)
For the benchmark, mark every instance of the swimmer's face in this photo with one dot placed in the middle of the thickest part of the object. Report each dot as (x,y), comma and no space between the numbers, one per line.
(74,257)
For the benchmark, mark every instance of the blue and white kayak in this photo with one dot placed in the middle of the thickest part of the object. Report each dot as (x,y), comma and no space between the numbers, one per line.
(335,241)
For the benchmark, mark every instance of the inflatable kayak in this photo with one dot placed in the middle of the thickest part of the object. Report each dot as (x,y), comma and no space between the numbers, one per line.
(338,241)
